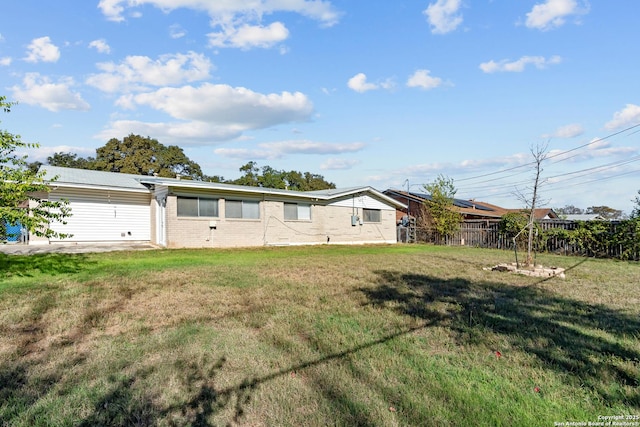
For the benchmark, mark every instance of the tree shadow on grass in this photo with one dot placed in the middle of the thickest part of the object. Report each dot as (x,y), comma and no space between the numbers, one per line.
(567,336)
(50,264)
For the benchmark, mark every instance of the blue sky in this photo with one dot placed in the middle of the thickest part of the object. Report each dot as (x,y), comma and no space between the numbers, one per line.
(382,93)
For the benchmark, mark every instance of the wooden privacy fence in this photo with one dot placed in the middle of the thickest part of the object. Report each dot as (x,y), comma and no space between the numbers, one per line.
(607,239)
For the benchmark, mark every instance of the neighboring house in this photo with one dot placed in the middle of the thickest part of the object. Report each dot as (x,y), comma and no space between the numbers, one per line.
(541,213)
(115,207)
(469,209)
(583,217)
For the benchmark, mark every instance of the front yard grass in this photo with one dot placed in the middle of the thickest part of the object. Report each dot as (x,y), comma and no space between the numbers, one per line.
(327,335)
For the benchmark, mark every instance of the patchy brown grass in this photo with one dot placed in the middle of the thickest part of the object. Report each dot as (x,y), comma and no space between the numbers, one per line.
(312,336)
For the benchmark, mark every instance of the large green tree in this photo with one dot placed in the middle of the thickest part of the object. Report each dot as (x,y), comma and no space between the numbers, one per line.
(71,160)
(438,213)
(268,177)
(145,156)
(605,211)
(568,210)
(23,191)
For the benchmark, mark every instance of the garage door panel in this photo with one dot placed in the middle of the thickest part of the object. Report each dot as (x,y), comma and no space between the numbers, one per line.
(105,216)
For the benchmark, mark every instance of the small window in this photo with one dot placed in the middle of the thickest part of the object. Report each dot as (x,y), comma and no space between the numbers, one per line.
(297,212)
(242,209)
(197,207)
(371,215)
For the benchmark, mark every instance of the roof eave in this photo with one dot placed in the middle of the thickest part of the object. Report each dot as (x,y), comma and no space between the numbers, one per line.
(56,184)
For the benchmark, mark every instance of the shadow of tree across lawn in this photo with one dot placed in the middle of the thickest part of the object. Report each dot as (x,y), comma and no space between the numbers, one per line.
(565,335)
(50,264)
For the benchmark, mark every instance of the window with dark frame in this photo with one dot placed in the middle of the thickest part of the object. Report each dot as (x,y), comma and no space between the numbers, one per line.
(197,207)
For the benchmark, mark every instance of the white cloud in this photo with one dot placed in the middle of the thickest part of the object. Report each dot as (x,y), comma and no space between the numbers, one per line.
(238,23)
(518,66)
(568,131)
(423,80)
(139,72)
(112,9)
(41,153)
(100,45)
(220,103)
(443,16)
(598,149)
(39,90)
(338,164)
(553,13)
(320,10)
(359,83)
(249,36)
(246,153)
(211,113)
(5,61)
(176,31)
(41,49)
(277,150)
(184,133)
(312,147)
(628,116)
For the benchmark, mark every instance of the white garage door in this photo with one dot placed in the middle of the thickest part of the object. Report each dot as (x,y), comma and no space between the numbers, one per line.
(104,216)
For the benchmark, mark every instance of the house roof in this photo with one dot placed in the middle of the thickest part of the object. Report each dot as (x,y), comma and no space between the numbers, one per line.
(69,177)
(83,178)
(583,217)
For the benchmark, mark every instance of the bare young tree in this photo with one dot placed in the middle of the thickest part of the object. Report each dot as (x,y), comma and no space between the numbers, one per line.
(539,153)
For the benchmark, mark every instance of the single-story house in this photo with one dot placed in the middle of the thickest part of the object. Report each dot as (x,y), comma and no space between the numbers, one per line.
(173,212)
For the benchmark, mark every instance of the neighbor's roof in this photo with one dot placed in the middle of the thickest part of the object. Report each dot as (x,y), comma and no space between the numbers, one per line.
(472,207)
(82,178)
(583,217)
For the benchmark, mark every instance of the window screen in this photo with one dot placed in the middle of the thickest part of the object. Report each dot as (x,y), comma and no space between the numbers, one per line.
(197,206)
(233,209)
(290,211)
(242,209)
(371,215)
(295,211)
(187,206)
(250,210)
(304,212)
(208,207)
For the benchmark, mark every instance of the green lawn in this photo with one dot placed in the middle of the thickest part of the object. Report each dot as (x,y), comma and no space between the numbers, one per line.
(327,335)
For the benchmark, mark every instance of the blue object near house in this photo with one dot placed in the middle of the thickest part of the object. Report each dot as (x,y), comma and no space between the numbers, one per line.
(15,233)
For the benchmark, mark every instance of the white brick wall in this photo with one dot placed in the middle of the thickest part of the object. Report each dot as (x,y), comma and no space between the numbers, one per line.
(333,222)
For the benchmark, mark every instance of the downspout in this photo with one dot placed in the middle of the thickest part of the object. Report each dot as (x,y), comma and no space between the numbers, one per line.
(264,222)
